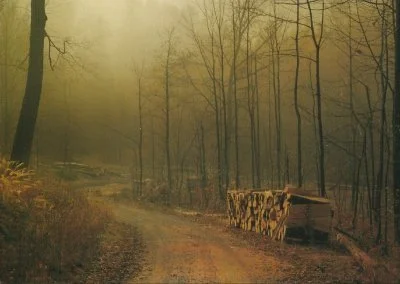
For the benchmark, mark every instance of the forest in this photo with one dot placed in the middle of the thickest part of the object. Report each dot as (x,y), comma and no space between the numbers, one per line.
(223,94)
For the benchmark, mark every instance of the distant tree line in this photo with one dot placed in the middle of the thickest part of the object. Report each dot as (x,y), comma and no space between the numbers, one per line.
(248,93)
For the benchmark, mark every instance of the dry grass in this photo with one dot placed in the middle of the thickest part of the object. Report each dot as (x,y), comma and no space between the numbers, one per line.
(46,230)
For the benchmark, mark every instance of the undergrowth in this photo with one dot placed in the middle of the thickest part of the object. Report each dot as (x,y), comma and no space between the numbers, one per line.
(47,231)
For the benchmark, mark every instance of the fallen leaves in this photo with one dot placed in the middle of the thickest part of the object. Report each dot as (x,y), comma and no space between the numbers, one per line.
(120,258)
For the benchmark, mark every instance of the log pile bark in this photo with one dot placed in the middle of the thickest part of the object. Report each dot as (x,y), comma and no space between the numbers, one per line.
(273,212)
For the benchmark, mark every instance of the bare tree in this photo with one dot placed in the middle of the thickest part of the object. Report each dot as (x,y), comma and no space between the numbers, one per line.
(381,59)
(317,41)
(203,162)
(235,96)
(26,124)
(276,35)
(208,58)
(67,127)
(5,95)
(167,73)
(396,130)
(218,13)
(296,100)
(257,124)
(250,98)
(139,75)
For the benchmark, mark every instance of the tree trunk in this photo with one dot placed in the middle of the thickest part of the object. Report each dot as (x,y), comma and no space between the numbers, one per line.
(353,127)
(26,124)
(256,119)
(396,130)
(372,157)
(269,150)
(67,127)
(250,101)
(277,96)
(5,91)
(140,138)
(237,170)
(296,101)
(320,128)
(217,121)
(381,166)
(224,111)
(369,265)
(203,163)
(167,118)
(321,144)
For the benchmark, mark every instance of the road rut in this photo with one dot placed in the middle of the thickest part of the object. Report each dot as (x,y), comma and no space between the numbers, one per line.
(183,251)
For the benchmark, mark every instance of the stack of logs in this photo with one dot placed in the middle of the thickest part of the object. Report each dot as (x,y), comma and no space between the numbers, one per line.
(267,212)
(262,211)
(279,213)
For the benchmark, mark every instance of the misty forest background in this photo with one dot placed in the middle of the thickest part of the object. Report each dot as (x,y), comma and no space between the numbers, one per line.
(237,93)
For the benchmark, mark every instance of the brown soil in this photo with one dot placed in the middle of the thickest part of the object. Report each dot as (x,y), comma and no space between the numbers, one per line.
(197,248)
(120,256)
(305,263)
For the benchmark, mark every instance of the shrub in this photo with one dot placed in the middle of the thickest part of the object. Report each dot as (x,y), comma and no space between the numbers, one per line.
(46,229)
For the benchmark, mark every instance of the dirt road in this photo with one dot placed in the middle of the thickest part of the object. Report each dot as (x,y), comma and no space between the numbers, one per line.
(182,251)
(182,248)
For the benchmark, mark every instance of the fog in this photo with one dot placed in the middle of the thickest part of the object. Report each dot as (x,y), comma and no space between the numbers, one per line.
(118,29)
(283,114)
(89,108)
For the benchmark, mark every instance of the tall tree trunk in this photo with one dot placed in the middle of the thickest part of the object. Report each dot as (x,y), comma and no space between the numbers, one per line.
(217,120)
(353,127)
(26,124)
(320,127)
(67,127)
(380,180)
(256,119)
(287,166)
(224,110)
(276,114)
(277,94)
(179,157)
(296,101)
(237,170)
(396,130)
(203,163)
(250,107)
(317,44)
(356,183)
(270,153)
(140,137)
(5,90)
(386,184)
(370,130)
(153,149)
(167,120)
(226,134)
(315,127)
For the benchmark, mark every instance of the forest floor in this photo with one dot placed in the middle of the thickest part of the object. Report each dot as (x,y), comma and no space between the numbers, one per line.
(120,258)
(181,246)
